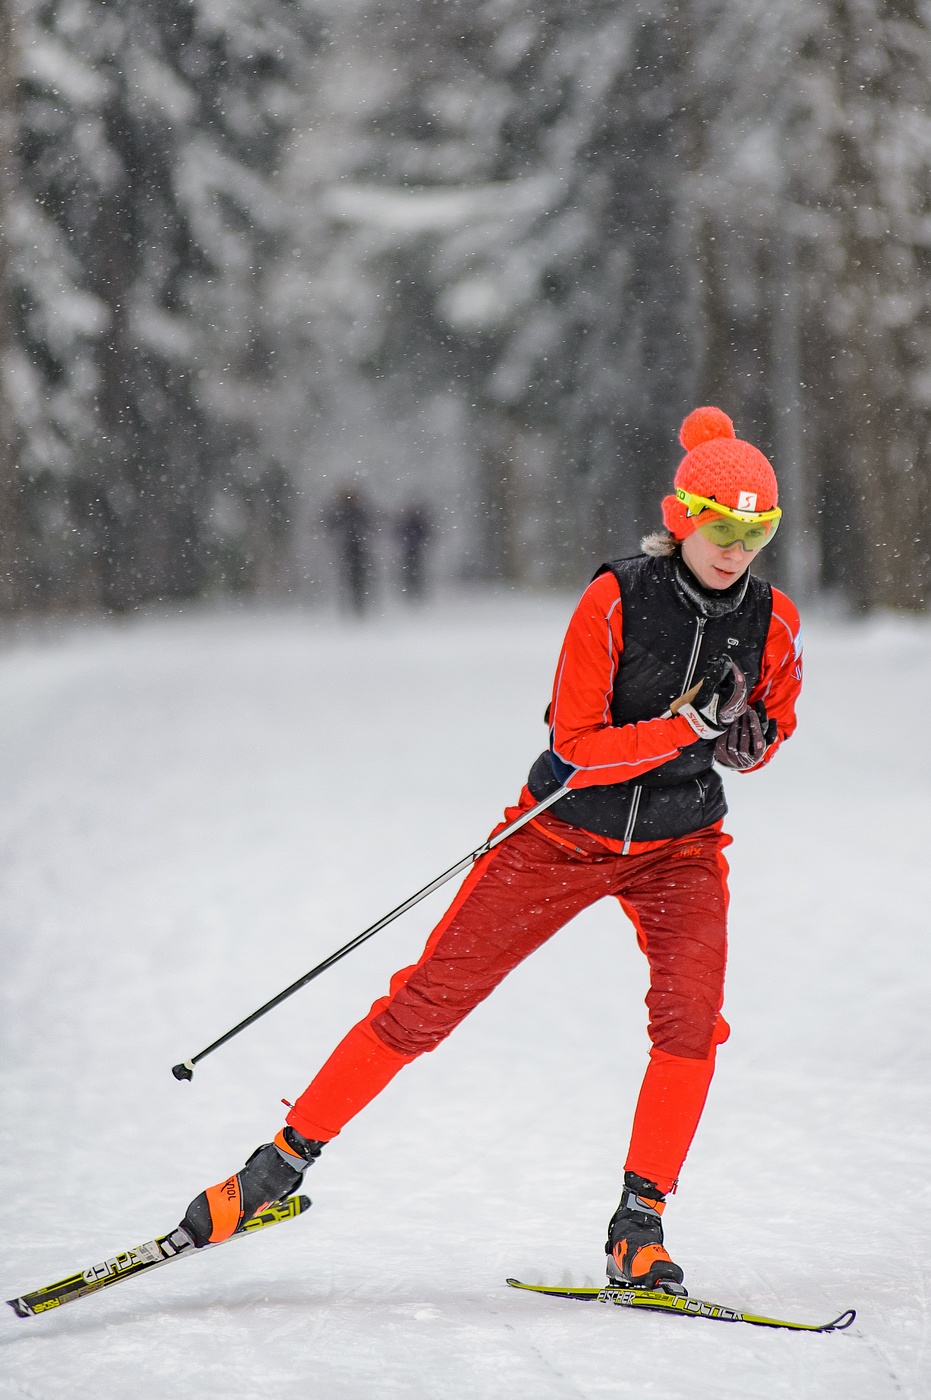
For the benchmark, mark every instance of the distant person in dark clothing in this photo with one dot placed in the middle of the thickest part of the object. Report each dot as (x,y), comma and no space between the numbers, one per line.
(351,522)
(413,529)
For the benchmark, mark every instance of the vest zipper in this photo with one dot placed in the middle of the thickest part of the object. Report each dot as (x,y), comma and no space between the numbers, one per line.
(638,790)
(632,819)
(693,659)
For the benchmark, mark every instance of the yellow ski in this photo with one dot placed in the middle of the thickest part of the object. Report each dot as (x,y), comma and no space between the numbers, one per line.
(655,1301)
(164,1249)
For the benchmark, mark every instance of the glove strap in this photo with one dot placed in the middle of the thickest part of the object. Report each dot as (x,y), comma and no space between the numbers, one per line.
(699,724)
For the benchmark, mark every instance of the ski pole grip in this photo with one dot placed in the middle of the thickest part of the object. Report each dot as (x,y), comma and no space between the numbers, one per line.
(183,1071)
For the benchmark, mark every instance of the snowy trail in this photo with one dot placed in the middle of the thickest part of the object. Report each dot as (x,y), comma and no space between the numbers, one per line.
(194,811)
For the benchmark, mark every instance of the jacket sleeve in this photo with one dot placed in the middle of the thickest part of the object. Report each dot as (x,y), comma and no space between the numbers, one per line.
(781,673)
(586,748)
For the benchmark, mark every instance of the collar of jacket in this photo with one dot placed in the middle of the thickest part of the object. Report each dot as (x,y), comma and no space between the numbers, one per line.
(709,602)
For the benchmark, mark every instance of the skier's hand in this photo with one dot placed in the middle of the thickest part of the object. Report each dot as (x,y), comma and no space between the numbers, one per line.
(745,742)
(715,702)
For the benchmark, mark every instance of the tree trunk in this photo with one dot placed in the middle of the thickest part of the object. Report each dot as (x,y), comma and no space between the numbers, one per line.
(10,565)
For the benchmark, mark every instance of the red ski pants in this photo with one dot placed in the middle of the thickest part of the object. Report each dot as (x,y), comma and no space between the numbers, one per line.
(513,900)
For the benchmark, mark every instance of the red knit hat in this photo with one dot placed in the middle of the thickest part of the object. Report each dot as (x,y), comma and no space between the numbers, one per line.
(718,464)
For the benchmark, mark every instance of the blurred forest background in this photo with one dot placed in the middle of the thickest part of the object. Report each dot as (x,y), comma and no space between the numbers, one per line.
(471,260)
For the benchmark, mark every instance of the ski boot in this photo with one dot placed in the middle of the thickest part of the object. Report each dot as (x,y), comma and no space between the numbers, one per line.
(636,1257)
(274,1171)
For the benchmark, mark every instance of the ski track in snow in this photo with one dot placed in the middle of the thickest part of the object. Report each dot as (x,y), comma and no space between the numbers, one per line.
(193,811)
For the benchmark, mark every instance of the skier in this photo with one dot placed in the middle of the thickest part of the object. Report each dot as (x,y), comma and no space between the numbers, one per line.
(674,660)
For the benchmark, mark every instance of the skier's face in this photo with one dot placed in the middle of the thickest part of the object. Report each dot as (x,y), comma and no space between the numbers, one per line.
(713,566)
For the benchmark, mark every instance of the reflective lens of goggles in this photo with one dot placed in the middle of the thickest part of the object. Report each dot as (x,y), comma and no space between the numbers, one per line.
(725,530)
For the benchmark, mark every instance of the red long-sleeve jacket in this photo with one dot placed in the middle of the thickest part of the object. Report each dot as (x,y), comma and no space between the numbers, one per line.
(583,735)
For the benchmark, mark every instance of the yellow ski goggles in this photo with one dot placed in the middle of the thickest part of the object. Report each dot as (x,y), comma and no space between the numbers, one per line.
(725,526)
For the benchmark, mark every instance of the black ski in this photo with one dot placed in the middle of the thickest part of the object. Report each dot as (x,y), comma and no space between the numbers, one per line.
(165,1249)
(675,1303)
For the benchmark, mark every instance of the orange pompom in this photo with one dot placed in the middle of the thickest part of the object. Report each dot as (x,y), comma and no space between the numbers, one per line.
(704,425)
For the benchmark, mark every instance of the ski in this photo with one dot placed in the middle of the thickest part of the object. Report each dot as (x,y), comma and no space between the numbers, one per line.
(676,1303)
(164,1249)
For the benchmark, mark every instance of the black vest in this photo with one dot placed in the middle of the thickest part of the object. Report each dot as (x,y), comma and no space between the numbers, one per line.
(672,628)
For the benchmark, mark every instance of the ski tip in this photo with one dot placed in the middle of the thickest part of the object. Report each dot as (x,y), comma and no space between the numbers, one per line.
(840,1324)
(184,1071)
(556,1290)
(20,1308)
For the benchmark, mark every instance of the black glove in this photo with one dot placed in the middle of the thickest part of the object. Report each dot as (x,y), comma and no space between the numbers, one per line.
(715,702)
(746,740)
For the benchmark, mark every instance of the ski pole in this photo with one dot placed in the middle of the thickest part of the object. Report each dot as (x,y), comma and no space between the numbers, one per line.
(185,1070)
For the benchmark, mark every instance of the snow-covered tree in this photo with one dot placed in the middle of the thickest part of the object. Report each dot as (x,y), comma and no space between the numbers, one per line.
(810,202)
(148,216)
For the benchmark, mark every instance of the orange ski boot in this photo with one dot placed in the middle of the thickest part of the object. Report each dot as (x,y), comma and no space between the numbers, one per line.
(636,1256)
(274,1171)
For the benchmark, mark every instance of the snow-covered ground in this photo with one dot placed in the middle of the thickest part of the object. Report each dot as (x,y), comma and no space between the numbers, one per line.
(194,811)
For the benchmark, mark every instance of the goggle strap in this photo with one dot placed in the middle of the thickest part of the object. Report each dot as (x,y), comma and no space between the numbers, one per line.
(728,512)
